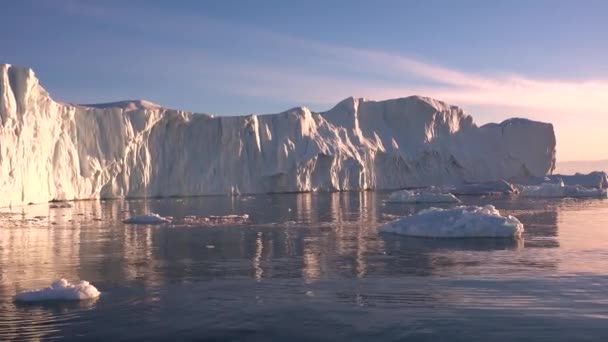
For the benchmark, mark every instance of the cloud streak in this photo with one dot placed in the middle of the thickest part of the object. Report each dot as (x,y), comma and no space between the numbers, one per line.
(318,72)
(248,61)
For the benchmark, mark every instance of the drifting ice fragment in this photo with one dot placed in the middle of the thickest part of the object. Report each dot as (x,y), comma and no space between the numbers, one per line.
(485,188)
(410,196)
(60,289)
(147,219)
(459,222)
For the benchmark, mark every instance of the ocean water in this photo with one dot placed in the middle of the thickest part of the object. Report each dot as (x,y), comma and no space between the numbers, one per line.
(304,267)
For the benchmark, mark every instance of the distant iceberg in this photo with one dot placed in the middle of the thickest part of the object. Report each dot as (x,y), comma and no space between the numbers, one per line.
(559,190)
(596,179)
(459,222)
(151,218)
(421,196)
(60,290)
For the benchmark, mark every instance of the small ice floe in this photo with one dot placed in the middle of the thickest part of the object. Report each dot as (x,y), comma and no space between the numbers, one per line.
(421,196)
(151,218)
(500,187)
(190,221)
(559,190)
(59,205)
(60,290)
(226,219)
(459,222)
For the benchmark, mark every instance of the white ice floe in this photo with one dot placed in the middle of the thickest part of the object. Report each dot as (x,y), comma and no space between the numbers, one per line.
(421,196)
(459,222)
(151,218)
(559,190)
(499,187)
(213,220)
(60,289)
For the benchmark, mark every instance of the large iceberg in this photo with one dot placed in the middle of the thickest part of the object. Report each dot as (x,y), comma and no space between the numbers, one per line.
(58,151)
(459,222)
(60,289)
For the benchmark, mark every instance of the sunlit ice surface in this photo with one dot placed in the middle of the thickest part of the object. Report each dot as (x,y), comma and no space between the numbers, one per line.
(304,267)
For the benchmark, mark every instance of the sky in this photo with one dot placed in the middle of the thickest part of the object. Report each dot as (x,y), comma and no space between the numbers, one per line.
(544,60)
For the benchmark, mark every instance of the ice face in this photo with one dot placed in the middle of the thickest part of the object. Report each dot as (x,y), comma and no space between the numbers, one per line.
(459,222)
(56,151)
(60,289)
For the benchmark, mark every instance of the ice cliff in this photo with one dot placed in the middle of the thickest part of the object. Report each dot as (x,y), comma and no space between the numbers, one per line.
(57,151)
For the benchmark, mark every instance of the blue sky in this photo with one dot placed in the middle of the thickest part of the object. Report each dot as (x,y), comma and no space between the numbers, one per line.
(541,59)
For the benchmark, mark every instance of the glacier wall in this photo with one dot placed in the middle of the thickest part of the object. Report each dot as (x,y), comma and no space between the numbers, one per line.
(57,151)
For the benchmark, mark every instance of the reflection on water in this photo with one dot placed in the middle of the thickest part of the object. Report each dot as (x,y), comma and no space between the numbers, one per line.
(315,251)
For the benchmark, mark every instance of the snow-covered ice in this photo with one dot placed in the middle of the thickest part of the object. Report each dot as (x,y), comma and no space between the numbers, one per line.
(421,196)
(459,222)
(60,289)
(140,149)
(560,190)
(151,218)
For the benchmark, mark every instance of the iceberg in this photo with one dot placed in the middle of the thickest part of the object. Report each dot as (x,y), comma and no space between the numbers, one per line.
(147,219)
(60,290)
(459,222)
(560,190)
(134,149)
(421,196)
(596,179)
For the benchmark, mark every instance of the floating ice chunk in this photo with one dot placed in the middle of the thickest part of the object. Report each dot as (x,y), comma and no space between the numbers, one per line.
(228,218)
(459,222)
(559,190)
(408,196)
(193,221)
(58,205)
(147,219)
(596,179)
(485,188)
(60,289)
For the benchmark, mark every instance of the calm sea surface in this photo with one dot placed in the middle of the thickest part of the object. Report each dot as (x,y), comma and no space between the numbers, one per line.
(304,267)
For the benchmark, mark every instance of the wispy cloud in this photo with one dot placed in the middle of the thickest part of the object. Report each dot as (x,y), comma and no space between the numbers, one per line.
(275,64)
(249,61)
